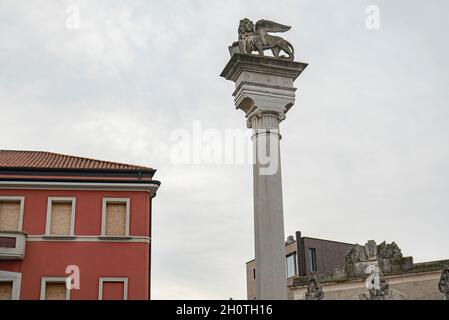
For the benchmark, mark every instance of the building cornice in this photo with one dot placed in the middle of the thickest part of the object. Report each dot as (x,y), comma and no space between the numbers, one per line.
(72,184)
(137,173)
(77,238)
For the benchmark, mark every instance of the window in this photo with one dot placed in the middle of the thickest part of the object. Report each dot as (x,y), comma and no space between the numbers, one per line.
(115,217)
(11,213)
(312,260)
(6,290)
(113,289)
(10,285)
(54,288)
(291,265)
(254,273)
(8,242)
(60,217)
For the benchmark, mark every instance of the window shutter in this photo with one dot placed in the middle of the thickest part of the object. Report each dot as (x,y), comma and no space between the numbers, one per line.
(116,219)
(61,217)
(5,290)
(9,215)
(55,291)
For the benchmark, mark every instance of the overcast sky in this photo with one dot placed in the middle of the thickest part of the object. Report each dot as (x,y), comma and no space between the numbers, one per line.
(365,149)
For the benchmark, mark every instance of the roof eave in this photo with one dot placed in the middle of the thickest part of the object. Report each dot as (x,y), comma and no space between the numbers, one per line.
(148,172)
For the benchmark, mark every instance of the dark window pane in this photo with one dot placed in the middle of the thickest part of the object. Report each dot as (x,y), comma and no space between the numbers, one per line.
(312,260)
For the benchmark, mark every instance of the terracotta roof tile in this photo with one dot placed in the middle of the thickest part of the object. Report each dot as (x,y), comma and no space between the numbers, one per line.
(50,160)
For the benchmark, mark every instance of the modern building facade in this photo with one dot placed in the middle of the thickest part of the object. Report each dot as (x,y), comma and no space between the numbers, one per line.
(65,217)
(304,255)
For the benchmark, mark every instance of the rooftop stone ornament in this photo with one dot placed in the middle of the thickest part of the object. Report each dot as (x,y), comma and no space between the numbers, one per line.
(255,37)
(443,284)
(380,293)
(314,290)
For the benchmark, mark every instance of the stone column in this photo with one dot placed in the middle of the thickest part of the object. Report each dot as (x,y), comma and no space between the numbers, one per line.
(265,93)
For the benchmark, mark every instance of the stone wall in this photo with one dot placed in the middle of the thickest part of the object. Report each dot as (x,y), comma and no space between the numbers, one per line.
(419,284)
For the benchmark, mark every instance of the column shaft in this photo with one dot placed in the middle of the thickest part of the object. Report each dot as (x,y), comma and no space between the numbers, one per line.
(271,280)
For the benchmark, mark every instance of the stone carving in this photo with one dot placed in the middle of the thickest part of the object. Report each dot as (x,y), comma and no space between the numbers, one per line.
(378,287)
(388,251)
(356,254)
(381,293)
(388,257)
(256,37)
(443,284)
(314,290)
(371,251)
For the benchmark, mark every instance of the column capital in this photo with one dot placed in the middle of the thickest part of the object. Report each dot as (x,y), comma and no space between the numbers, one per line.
(263,85)
(264,119)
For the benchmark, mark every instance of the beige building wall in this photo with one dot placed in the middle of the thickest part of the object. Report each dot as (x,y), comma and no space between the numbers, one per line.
(250,280)
(414,286)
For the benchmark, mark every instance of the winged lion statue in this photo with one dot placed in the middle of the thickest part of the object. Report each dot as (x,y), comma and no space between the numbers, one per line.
(256,37)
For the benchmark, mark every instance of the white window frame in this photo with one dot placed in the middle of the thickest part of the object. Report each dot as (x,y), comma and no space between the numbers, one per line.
(312,258)
(127,201)
(102,280)
(295,266)
(46,280)
(16,279)
(72,218)
(22,206)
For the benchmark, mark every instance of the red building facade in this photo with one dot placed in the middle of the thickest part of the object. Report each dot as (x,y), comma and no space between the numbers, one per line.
(64,217)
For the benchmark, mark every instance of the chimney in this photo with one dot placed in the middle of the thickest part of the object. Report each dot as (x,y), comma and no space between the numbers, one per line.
(300,254)
(290,240)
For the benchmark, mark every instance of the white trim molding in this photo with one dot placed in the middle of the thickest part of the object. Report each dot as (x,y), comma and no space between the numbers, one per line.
(135,239)
(46,280)
(127,201)
(150,187)
(102,280)
(21,199)
(50,202)
(16,279)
